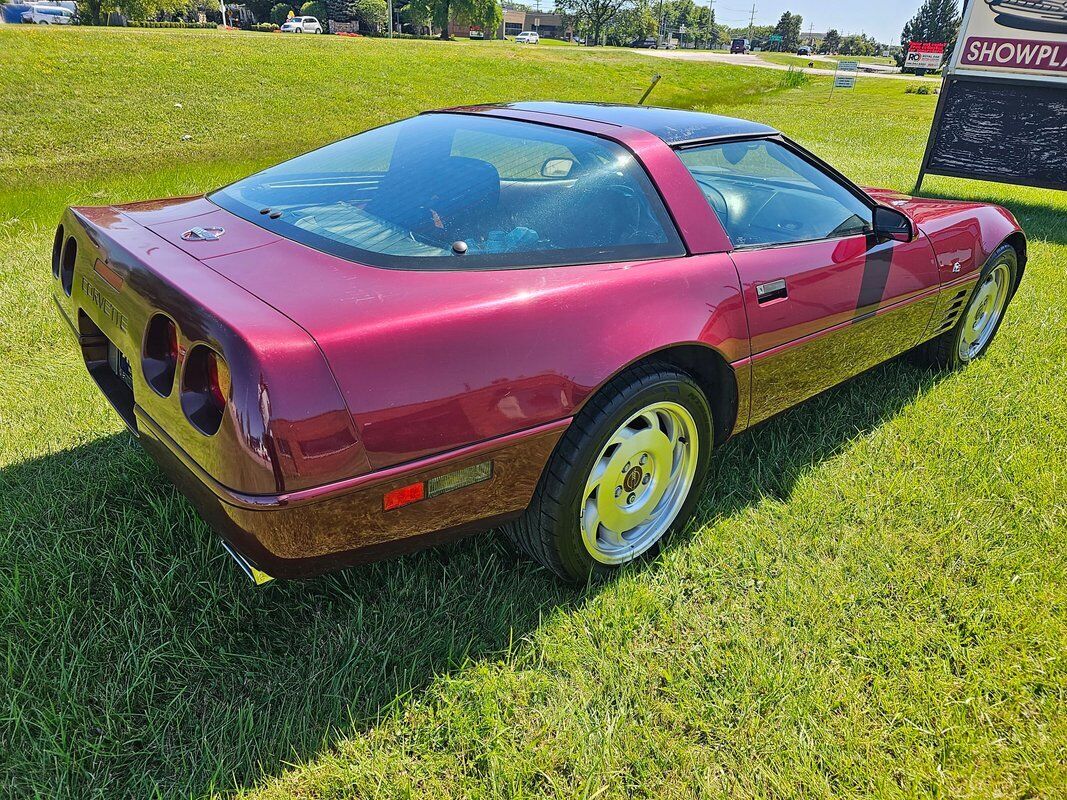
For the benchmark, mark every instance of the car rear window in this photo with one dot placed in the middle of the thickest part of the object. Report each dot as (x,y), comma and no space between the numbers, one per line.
(460,191)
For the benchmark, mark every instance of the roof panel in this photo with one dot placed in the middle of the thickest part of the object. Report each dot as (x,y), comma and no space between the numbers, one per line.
(672,125)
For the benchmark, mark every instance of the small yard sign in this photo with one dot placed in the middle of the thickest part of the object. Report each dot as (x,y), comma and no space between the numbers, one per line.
(844,76)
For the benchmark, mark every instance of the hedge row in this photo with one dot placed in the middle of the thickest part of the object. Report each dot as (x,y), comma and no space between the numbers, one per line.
(153,24)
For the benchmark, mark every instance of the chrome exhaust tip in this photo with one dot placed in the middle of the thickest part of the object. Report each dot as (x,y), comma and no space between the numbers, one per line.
(258,577)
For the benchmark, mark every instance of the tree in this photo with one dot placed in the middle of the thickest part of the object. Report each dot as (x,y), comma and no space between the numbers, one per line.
(831,43)
(630,24)
(341,10)
(313,8)
(935,21)
(371,14)
(788,28)
(418,14)
(859,45)
(261,9)
(486,13)
(280,13)
(594,16)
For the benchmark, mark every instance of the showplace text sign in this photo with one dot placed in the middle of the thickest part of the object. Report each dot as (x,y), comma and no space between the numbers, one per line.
(1014,36)
(1029,56)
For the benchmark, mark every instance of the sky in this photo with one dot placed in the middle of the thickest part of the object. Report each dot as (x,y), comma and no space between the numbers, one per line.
(882,19)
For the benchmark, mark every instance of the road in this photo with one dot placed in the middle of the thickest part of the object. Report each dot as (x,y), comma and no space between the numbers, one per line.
(753,60)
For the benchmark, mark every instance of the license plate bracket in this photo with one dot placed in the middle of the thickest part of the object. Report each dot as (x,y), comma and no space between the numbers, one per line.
(119,364)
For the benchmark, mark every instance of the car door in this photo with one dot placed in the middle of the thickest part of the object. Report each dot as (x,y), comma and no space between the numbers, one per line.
(825,298)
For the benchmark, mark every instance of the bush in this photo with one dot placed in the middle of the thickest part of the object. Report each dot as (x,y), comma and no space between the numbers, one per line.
(315,9)
(280,13)
(265,27)
(794,79)
(372,14)
(132,23)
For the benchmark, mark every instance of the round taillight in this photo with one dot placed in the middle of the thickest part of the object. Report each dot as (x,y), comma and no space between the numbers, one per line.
(205,388)
(57,250)
(66,264)
(159,356)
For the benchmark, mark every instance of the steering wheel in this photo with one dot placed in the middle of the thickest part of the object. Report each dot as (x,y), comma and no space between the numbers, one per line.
(718,202)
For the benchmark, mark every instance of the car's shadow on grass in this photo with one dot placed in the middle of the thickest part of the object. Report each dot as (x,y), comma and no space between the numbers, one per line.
(141,657)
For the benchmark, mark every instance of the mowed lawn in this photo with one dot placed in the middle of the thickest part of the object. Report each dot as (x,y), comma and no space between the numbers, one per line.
(870,602)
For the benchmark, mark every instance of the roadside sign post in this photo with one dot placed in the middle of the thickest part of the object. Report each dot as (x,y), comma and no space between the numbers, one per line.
(845,76)
(1002,112)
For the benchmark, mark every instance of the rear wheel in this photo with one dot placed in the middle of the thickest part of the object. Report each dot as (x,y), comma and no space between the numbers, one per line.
(981,317)
(625,476)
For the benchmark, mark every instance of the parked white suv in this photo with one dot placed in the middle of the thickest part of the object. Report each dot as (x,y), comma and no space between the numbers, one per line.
(48,15)
(302,25)
(528,37)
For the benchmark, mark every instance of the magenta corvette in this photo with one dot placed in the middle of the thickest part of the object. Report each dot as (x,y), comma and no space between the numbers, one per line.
(540,316)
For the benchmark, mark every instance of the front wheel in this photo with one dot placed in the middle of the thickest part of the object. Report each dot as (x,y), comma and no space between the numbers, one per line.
(981,318)
(625,476)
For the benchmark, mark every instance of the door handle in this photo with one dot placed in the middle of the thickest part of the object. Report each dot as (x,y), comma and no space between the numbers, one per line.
(775,290)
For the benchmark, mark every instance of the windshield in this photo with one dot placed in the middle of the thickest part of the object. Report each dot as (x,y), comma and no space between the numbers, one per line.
(456,191)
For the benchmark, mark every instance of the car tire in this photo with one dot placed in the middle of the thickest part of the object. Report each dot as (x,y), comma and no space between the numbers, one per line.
(981,318)
(629,430)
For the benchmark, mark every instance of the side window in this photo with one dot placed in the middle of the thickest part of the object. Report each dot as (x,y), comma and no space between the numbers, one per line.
(764,194)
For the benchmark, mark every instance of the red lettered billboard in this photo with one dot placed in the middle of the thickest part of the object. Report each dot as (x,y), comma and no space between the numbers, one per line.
(925,55)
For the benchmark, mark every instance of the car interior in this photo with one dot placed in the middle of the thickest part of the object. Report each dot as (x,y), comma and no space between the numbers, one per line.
(764,195)
(422,207)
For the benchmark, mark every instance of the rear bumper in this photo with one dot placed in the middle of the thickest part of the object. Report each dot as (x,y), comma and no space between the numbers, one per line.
(319,530)
(288,517)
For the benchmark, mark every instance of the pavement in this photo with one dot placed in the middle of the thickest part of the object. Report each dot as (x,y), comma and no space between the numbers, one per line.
(753,60)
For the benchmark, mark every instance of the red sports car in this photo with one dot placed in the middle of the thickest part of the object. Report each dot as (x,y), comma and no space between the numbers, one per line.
(541,316)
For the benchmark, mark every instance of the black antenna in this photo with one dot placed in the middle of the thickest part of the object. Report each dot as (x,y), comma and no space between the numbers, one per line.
(648,91)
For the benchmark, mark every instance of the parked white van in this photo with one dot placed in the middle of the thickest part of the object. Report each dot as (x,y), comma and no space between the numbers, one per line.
(528,37)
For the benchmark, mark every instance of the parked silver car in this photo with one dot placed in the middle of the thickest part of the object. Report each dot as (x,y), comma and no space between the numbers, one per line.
(302,25)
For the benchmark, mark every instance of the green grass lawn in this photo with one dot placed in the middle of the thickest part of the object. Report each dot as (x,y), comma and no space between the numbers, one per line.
(871,601)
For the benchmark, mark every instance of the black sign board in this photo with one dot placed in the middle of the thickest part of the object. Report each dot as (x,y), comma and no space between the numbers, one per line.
(1008,131)
(1002,113)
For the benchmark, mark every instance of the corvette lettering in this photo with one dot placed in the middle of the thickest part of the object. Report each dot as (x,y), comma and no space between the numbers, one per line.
(107,308)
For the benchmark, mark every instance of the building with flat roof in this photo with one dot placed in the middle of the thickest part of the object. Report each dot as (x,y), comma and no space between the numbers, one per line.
(550,26)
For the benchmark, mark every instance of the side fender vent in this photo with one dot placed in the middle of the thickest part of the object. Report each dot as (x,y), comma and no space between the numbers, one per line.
(954,309)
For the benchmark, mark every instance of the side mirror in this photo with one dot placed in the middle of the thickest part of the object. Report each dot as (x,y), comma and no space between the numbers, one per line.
(892,224)
(557,168)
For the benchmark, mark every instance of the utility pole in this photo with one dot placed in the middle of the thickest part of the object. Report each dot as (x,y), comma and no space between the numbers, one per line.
(751,23)
(390,19)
